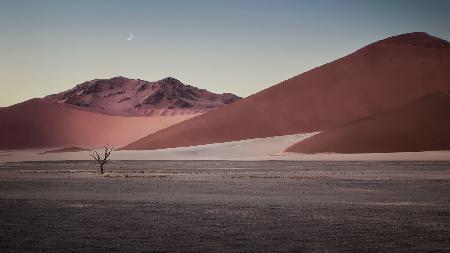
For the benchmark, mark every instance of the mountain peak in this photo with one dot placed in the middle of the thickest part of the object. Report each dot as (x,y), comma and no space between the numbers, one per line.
(170,80)
(119,78)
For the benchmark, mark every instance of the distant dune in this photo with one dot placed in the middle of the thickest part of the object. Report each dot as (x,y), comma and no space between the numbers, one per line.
(377,78)
(40,123)
(423,125)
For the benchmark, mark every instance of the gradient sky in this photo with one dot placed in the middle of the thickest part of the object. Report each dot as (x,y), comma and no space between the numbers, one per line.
(238,46)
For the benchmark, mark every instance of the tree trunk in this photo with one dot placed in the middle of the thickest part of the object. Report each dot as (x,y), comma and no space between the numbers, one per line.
(101,168)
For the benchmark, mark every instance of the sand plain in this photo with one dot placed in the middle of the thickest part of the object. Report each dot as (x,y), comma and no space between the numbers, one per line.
(225,206)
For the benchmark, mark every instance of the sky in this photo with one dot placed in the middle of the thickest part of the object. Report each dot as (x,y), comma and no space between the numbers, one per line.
(238,46)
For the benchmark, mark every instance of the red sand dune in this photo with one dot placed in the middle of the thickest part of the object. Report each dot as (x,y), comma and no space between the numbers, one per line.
(423,125)
(376,78)
(40,123)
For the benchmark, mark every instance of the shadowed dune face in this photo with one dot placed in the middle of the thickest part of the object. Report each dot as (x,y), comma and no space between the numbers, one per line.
(66,150)
(376,78)
(423,125)
(40,123)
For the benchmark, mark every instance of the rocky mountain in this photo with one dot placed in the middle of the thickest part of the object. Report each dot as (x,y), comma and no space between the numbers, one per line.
(134,97)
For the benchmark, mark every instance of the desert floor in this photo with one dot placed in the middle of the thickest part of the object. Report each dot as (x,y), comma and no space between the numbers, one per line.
(225,206)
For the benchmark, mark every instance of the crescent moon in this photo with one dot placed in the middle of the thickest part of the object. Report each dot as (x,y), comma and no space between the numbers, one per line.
(131,36)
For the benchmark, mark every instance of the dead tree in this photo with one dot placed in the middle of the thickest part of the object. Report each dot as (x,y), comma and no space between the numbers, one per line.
(104,160)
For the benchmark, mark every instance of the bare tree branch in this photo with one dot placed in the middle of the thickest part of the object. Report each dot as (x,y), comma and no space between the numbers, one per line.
(104,160)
